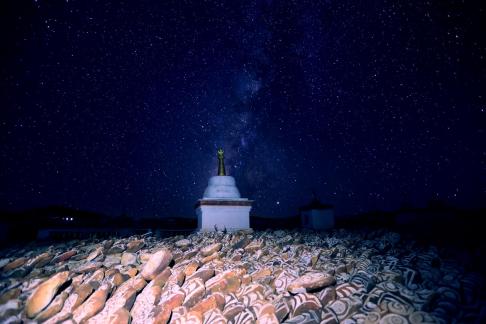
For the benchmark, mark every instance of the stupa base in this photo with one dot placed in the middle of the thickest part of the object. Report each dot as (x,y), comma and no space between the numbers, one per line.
(223,214)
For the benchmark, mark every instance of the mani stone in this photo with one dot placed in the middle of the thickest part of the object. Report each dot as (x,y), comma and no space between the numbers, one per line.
(121,316)
(64,256)
(128,258)
(311,281)
(10,308)
(15,264)
(210,249)
(157,262)
(43,294)
(54,307)
(93,305)
(184,243)
(134,246)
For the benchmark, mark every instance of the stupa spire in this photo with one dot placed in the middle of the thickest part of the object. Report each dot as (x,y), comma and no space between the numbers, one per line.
(221,169)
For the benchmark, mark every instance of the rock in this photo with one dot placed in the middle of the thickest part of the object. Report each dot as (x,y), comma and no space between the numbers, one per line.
(178,312)
(312,317)
(54,307)
(145,303)
(246,316)
(254,246)
(194,290)
(97,276)
(128,258)
(190,254)
(96,254)
(341,269)
(190,318)
(246,280)
(327,295)
(241,244)
(220,300)
(225,282)
(111,260)
(402,308)
(93,304)
(110,312)
(249,298)
(121,316)
(9,294)
(259,274)
(204,274)
(40,260)
(232,307)
(137,283)
(191,268)
(314,259)
(167,303)
(162,278)
(374,317)
(88,267)
(134,246)
(265,313)
(144,257)
(66,310)
(4,262)
(279,233)
(110,272)
(64,256)
(44,293)
(15,264)
(393,319)
(420,317)
(236,257)
(283,280)
(132,272)
(345,307)
(214,316)
(205,305)
(158,261)
(10,308)
(263,277)
(107,244)
(211,249)
(302,303)
(183,244)
(282,309)
(79,256)
(118,247)
(82,293)
(20,272)
(176,278)
(311,281)
(210,258)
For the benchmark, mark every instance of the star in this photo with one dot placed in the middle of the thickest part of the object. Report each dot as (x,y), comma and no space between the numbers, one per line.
(119,108)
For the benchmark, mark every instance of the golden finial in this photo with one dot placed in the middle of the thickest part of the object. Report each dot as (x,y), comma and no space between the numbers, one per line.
(221,170)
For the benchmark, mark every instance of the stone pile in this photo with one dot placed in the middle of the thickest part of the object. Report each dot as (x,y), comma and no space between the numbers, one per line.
(242,277)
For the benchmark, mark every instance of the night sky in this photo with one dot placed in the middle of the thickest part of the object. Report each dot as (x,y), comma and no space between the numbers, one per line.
(119,106)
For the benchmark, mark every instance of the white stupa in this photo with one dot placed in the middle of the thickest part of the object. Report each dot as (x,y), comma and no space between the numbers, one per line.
(222,207)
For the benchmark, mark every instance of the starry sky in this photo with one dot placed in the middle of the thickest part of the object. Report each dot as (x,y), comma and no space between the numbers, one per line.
(119,106)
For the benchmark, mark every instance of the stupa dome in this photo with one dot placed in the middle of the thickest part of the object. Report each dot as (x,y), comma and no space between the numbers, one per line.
(221,187)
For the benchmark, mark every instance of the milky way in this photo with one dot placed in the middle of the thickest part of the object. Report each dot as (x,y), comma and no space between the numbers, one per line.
(120,107)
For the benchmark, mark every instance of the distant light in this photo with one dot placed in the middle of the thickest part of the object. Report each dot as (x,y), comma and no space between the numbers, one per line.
(278,202)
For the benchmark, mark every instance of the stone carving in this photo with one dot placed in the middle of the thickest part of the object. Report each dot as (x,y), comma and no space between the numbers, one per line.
(171,283)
